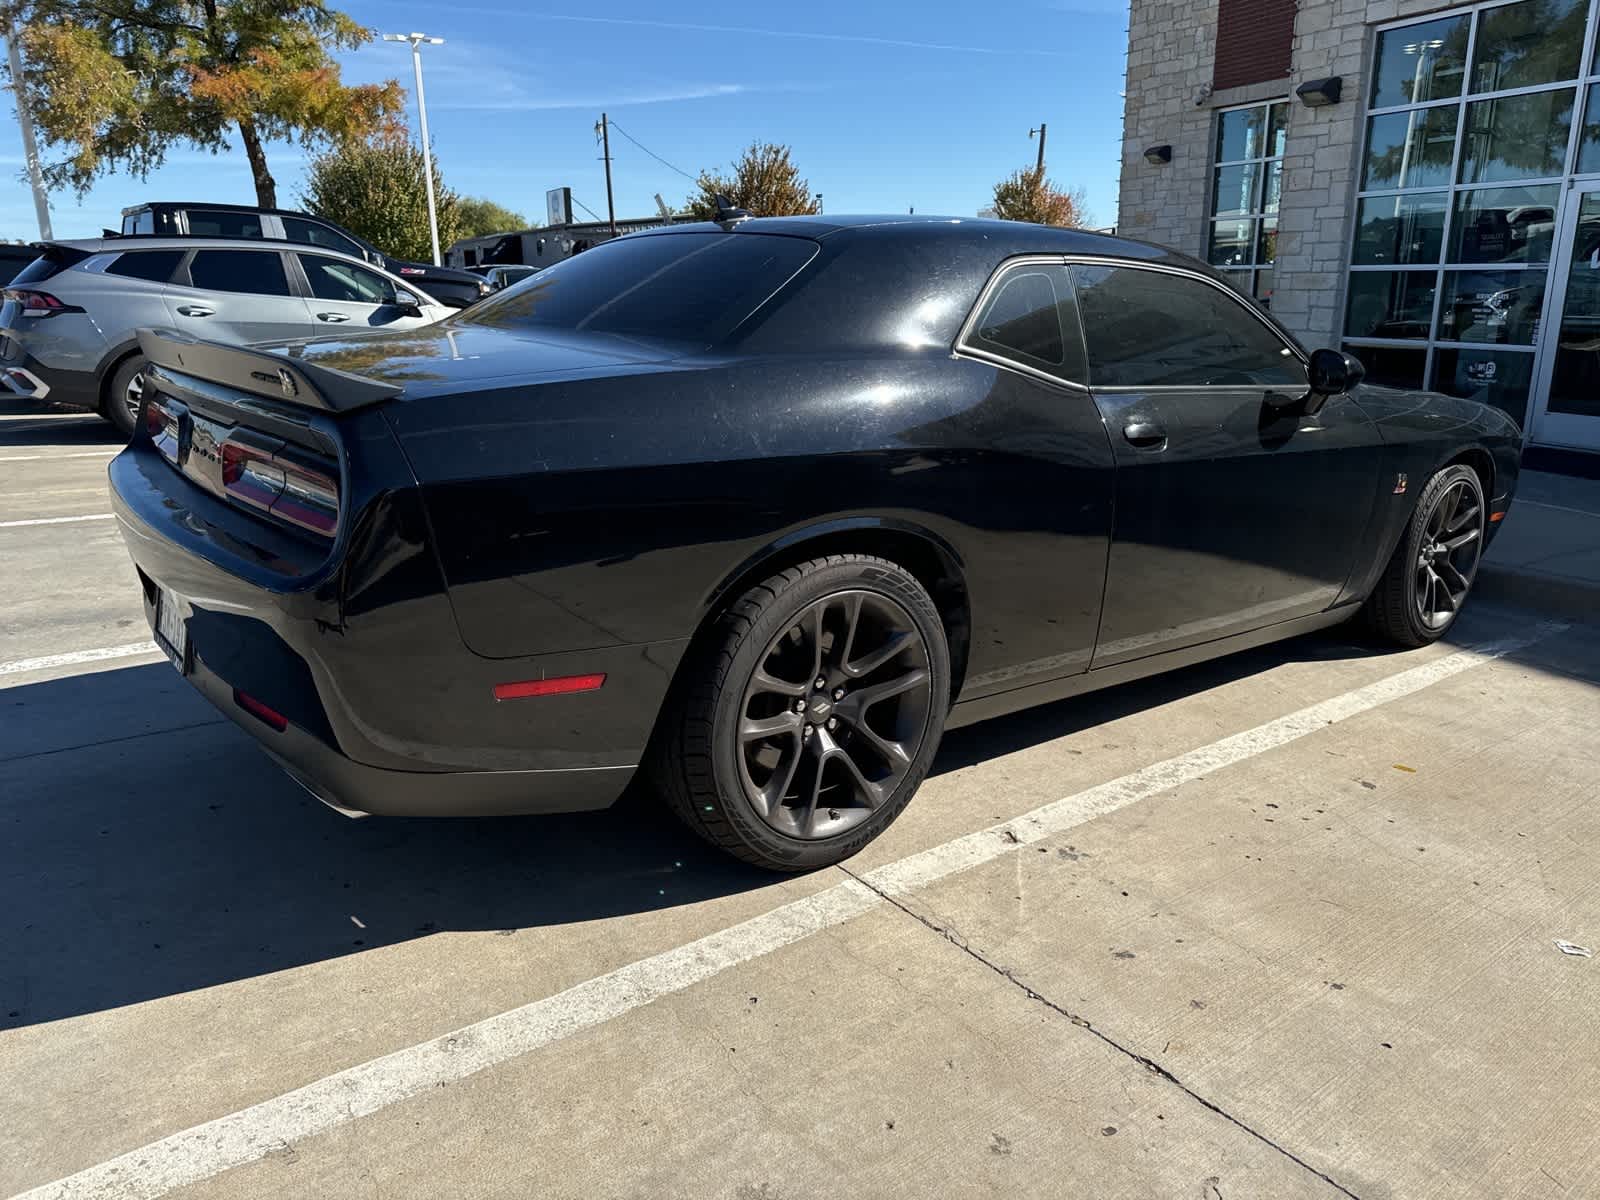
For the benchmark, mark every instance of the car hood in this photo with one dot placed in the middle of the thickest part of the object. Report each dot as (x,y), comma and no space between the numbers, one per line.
(417,270)
(454,357)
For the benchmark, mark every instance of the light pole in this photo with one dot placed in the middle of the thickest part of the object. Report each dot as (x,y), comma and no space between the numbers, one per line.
(30,147)
(418,40)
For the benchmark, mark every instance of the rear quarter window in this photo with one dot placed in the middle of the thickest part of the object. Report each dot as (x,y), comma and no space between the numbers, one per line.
(686,287)
(156,266)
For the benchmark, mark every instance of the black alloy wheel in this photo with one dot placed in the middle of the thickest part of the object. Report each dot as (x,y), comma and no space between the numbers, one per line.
(1427,581)
(834,714)
(804,722)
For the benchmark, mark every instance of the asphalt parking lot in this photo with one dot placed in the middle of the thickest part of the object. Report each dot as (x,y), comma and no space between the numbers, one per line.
(1280,925)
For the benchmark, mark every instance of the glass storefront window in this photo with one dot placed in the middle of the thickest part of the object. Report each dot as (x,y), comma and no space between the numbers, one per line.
(1236,190)
(1589,138)
(1246,187)
(1504,225)
(1500,307)
(1390,304)
(1410,149)
(1420,62)
(1497,377)
(1401,230)
(1516,137)
(1522,45)
(1392,366)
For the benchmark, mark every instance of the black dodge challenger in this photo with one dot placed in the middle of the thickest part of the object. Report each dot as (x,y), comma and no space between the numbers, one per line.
(759,508)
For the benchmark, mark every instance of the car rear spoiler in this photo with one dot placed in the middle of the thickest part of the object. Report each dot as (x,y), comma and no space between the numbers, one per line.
(264,373)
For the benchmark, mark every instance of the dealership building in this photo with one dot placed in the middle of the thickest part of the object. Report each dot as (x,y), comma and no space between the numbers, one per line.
(1416,182)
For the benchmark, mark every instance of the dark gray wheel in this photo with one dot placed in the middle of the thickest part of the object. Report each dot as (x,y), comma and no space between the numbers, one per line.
(1427,580)
(804,726)
(121,405)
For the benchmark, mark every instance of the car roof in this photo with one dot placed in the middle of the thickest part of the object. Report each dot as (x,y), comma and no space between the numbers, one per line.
(211,206)
(111,245)
(1007,237)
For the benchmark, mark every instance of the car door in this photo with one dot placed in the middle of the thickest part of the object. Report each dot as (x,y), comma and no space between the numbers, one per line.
(1051,495)
(1235,508)
(346,296)
(236,296)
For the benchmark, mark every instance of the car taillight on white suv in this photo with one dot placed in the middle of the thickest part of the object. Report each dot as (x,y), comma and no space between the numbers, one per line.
(39,304)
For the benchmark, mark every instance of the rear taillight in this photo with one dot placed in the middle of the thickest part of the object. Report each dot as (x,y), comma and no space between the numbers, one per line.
(39,304)
(259,473)
(161,423)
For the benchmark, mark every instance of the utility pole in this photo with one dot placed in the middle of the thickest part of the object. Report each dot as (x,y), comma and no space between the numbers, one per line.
(417,41)
(605,142)
(1040,132)
(30,147)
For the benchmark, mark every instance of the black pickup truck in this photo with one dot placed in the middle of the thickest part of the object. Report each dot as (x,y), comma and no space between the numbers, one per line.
(172,218)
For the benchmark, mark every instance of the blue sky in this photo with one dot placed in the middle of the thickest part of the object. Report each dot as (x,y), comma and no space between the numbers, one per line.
(888,104)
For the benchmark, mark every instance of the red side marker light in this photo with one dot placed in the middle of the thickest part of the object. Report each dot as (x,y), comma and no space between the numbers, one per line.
(559,686)
(260,711)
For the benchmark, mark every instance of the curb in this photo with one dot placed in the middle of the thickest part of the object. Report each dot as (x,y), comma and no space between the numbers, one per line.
(1554,594)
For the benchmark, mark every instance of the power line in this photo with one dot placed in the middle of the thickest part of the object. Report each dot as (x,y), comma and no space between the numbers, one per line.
(587,209)
(653,154)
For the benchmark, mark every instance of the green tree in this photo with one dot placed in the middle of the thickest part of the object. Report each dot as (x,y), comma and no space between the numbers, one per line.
(764,180)
(115,84)
(376,189)
(1027,195)
(480,216)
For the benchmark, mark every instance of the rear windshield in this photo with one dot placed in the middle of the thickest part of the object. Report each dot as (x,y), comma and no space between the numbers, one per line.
(683,287)
(52,262)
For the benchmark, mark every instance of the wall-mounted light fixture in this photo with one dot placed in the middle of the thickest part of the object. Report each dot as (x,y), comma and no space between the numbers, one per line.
(1158,156)
(1319,93)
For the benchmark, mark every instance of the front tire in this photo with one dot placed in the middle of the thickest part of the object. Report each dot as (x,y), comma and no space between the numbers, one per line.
(1427,580)
(121,406)
(806,722)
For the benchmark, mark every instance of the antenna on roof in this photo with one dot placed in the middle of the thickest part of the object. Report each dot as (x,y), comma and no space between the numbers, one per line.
(727,214)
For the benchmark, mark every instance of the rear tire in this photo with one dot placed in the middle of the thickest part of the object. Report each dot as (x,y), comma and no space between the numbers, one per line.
(119,406)
(1428,578)
(759,760)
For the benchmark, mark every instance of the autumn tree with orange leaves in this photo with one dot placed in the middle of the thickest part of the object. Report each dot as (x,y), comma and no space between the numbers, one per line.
(116,84)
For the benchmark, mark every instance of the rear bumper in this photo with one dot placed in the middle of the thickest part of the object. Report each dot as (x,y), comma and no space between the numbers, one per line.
(357,790)
(32,380)
(386,711)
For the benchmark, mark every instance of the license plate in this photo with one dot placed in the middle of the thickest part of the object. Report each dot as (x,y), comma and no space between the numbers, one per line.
(172,635)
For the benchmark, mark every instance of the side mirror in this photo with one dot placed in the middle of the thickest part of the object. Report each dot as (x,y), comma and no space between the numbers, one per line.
(1332,373)
(408,303)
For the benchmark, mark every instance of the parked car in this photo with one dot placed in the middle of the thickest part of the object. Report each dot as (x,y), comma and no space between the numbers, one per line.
(757,509)
(500,277)
(168,218)
(69,324)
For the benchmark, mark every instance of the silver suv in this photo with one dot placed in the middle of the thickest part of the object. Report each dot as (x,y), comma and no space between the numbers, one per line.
(68,328)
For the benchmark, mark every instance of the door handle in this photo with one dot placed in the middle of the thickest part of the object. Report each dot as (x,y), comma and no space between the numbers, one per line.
(196,310)
(332,316)
(1146,435)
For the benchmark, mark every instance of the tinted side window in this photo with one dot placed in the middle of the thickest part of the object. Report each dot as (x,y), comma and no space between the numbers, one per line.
(256,272)
(1031,318)
(204,223)
(141,222)
(332,279)
(155,265)
(1152,328)
(313,233)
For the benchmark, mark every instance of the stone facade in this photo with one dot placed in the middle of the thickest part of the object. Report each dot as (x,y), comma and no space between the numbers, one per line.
(1171,51)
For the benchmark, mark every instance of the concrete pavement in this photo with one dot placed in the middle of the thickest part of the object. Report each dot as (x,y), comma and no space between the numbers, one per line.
(1320,964)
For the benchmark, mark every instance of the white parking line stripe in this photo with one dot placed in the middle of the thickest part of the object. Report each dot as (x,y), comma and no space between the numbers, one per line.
(73,658)
(1582,512)
(55,457)
(206,1150)
(56,520)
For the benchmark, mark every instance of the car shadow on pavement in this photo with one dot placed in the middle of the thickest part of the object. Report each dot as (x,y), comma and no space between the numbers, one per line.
(150,849)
